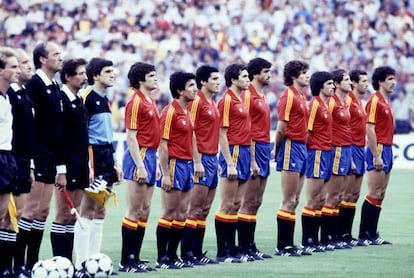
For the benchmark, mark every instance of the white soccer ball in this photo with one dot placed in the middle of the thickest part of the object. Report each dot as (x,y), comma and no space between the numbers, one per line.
(45,269)
(99,266)
(65,266)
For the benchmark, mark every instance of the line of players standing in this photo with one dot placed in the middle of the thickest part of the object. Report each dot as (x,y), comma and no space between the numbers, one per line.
(72,149)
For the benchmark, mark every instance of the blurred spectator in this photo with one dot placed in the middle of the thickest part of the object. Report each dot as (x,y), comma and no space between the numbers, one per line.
(402,113)
(185,34)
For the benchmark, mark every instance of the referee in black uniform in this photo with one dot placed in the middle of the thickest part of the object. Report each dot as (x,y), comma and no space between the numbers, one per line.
(75,135)
(49,169)
(22,145)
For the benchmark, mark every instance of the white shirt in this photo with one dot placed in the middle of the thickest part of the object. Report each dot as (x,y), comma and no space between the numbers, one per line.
(6,119)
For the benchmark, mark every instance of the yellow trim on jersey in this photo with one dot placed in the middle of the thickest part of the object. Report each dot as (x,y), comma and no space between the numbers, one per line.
(247,96)
(373,109)
(134,113)
(194,109)
(289,103)
(226,111)
(312,114)
(331,104)
(86,92)
(317,164)
(168,120)
(348,101)
(337,158)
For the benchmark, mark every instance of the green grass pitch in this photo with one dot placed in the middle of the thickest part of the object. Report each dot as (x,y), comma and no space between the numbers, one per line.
(396,224)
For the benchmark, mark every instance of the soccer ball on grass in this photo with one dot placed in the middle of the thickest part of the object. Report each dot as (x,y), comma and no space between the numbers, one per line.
(99,266)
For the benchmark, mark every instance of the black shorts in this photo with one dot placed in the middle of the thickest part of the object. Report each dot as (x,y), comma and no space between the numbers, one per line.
(103,163)
(23,181)
(8,171)
(77,174)
(45,169)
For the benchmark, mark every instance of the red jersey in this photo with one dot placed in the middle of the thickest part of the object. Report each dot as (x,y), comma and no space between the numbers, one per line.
(142,115)
(319,125)
(177,129)
(234,116)
(358,120)
(341,128)
(259,111)
(292,108)
(380,114)
(206,121)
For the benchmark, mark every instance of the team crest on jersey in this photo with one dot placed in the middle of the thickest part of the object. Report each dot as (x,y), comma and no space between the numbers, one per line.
(342,114)
(241,110)
(19,96)
(184,122)
(260,103)
(48,91)
(73,105)
(98,102)
(150,112)
(325,115)
(209,112)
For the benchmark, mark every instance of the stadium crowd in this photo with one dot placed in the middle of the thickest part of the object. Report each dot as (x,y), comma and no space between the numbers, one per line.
(185,34)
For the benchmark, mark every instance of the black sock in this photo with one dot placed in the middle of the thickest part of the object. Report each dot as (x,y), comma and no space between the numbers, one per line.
(175,238)
(163,234)
(142,225)
(25,227)
(69,237)
(57,239)
(188,237)
(129,241)
(34,243)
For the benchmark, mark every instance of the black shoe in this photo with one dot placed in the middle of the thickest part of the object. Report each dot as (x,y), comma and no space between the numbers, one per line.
(206,260)
(257,253)
(21,272)
(377,240)
(80,273)
(143,265)
(165,263)
(131,266)
(228,259)
(6,273)
(288,251)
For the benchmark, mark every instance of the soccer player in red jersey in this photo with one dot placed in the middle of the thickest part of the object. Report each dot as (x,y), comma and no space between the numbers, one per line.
(234,161)
(139,165)
(256,104)
(319,160)
(176,154)
(359,81)
(290,152)
(341,160)
(206,120)
(378,154)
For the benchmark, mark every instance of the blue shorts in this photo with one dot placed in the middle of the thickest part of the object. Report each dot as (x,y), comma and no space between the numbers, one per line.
(291,156)
(319,164)
(210,163)
(181,174)
(342,160)
(386,155)
(358,157)
(149,157)
(241,158)
(263,155)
